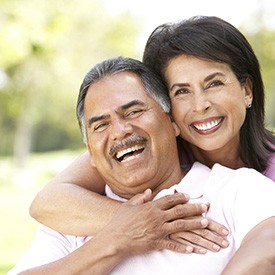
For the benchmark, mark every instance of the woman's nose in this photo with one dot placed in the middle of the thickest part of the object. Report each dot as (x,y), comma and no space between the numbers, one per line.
(200,103)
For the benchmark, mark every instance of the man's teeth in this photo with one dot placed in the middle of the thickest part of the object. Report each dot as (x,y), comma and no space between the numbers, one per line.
(208,125)
(128,150)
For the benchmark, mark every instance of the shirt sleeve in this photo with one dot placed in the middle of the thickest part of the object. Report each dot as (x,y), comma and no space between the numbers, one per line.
(254,201)
(48,246)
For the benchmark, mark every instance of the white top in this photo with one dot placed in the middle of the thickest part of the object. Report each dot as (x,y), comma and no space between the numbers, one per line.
(239,199)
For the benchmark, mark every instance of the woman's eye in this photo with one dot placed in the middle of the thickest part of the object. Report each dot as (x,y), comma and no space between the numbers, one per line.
(215,83)
(181,91)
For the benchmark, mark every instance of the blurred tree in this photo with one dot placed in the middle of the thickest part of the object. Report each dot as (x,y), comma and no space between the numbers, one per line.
(46,48)
(261,34)
(264,44)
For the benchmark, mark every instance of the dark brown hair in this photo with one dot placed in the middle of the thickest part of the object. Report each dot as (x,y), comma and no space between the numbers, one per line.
(212,38)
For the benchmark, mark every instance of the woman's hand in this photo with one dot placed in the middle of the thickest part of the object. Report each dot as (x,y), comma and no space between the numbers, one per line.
(212,238)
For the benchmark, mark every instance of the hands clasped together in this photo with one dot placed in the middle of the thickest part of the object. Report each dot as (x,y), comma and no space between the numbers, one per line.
(142,225)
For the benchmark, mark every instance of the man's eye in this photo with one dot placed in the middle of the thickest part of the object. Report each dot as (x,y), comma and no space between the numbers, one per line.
(100,127)
(134,112)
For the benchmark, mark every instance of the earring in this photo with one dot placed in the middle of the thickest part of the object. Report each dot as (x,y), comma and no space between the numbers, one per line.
(248,105)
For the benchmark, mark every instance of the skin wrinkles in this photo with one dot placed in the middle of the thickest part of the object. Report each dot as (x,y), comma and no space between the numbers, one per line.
(131,113)
(132,140)
(207,78)
(125,107)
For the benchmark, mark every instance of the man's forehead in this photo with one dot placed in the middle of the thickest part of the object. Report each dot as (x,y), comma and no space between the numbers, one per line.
(116,93)
(121,88)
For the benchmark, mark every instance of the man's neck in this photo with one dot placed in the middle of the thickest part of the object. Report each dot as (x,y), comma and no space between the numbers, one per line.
(176,175)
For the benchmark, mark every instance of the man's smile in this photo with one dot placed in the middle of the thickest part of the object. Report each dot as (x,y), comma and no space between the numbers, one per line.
(126,149)
(125,154)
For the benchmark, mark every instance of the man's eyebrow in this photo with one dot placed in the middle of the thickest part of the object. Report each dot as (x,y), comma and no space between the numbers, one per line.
(122,108)
(95,119)
(131,104)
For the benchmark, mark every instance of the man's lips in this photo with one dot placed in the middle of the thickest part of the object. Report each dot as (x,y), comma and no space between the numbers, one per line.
(207,125)
(129,150)
(130,146)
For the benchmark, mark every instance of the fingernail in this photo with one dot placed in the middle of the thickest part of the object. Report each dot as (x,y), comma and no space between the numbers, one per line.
(216,247)
(203,251)
(204,207)
(187,196)
(225,232)
(204,222)
(225,243)
(189,249)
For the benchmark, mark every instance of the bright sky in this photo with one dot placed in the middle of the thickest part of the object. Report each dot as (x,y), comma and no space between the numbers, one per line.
(155,12)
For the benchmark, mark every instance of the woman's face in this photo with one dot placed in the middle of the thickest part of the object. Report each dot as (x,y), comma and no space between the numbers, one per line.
(208,102)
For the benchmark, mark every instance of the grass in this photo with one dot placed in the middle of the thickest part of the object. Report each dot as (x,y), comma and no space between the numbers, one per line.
(18,186)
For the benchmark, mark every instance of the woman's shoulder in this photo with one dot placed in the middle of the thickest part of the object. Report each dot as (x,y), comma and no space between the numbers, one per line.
(270,170)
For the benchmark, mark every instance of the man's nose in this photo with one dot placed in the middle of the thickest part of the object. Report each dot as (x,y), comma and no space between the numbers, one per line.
(121,128)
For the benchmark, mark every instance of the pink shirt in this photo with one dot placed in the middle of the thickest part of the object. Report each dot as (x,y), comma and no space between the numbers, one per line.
(235,202)
(187,160)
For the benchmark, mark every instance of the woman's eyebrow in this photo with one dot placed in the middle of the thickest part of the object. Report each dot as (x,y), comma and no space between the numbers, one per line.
(213,75)
(207,78)
(179,85)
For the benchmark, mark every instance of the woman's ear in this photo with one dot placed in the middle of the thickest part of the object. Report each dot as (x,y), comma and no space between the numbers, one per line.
(248,90)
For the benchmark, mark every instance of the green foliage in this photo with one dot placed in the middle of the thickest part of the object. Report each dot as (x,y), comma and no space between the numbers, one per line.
(266,53)
(18,187)
(46,49)
(263,42)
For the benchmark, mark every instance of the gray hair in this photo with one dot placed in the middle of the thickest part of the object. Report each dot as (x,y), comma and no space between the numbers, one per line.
(152,84)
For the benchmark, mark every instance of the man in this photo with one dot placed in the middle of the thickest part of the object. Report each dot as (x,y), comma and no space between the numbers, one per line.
(124,114)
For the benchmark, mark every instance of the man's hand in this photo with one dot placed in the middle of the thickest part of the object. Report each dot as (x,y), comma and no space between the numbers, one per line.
(141,225)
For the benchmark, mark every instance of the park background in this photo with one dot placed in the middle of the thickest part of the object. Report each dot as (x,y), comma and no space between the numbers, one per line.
(46,47)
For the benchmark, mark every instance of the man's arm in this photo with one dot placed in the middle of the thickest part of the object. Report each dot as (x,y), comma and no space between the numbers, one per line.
(98,256)
(256,254)
(84,260)
(120,238)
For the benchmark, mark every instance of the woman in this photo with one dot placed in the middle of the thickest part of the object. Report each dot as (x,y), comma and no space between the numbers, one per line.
(211,41)
(215,130)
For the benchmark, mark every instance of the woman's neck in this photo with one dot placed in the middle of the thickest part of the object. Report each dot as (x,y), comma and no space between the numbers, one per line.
(229,157)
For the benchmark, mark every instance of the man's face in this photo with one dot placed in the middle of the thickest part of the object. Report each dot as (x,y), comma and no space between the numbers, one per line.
(130,138)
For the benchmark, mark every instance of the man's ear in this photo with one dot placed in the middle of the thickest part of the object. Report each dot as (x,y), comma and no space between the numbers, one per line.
(91,155)
(176,128)
(248,90)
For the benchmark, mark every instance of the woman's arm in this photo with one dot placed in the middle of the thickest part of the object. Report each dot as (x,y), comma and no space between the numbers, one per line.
(74,198)
(256,254)
(73,203)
